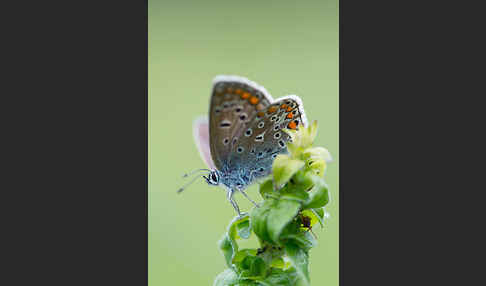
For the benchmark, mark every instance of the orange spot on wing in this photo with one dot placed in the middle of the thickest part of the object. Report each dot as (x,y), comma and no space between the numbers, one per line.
(272,109)
(260,114)
(292,125)
(290,116)
(238,91)
(245,95)
(283,106)
(289,109)
(254,100)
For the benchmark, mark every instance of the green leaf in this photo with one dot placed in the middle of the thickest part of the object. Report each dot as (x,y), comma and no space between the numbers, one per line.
(247,282)
(319,214)
(284,168)
(266,188)
(243,229)
(316,159)
(226,278)
(228,244)
(308,135)
(299,260)
(278,279)
(318,196)
(292,228)
(304,240)
(278,262)
(294,194)
(318,167)
(312,131)
(298,187)
(279,216)
(302,181)
(317,153)
(258,218)
(233,226)
(227,248)
(244,282)
(258,267)
(272,217)
(253,267)
(241,254)
(293,145)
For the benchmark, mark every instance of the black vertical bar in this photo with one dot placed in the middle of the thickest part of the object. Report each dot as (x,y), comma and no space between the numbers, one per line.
(77,143)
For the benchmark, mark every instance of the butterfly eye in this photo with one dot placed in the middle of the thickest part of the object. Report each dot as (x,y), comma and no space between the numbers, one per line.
(261,124)
(243,116)
(240,149)
(281,143)
(276,135)
(214,177)
(261,169)
(248,132)
(238,109)
(225,141)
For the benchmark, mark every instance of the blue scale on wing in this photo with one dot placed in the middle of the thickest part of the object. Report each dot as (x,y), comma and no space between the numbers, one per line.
(263,139)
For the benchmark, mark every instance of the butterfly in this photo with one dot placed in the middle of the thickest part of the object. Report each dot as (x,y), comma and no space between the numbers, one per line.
(244,133)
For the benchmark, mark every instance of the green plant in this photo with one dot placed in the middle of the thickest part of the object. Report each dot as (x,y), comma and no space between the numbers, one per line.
(294,198)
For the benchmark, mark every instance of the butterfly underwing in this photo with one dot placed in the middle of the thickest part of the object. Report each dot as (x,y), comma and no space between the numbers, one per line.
(244,132)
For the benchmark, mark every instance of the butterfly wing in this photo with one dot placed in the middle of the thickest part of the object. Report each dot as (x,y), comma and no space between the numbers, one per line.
(263,138)
(201,137)
(235,101)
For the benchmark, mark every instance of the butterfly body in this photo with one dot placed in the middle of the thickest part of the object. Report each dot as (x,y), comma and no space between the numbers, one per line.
(236,175)
(244,132)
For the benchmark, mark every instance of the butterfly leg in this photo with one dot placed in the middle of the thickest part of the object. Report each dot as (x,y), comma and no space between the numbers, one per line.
(246,196)
(233,203)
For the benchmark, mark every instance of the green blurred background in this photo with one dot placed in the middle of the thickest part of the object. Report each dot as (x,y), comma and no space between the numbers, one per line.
(290,47)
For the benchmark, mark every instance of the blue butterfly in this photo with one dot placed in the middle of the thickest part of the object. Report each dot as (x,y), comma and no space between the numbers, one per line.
(244,133)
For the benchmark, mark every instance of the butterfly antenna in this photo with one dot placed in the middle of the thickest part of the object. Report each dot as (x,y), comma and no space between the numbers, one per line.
(195,171)
(188,184)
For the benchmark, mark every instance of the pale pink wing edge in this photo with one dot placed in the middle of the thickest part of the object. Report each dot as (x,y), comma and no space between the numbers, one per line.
(200,129)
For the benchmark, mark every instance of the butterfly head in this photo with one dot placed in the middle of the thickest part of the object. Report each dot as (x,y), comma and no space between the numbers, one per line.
(229,180)
(213,177)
